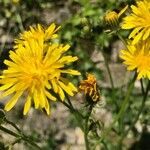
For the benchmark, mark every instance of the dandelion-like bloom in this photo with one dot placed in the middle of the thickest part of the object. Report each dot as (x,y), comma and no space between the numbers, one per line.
(138,57)
(139,21)
(89,86)
(112,18)
(38,33)
(35,70)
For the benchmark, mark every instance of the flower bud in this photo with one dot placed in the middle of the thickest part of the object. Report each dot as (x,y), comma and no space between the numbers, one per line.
(111,19)
(90,88)
(86,29)
(84,21)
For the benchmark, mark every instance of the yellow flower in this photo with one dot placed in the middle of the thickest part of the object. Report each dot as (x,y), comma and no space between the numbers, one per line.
(36,70)
(139,21)
(89,86)
(38,33)
(112,18)
(138,57)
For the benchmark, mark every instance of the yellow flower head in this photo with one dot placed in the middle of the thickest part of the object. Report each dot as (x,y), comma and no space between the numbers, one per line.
(38,33)
(139,21)
(112,18)
(89,86)
(138,57)
(35,70)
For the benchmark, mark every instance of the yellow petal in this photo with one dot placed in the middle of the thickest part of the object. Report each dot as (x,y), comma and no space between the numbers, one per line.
(122,11)
(146,35)
(50,96)
(47,107)
(36,99)
(67,59)
(6,86)
(137,38)
(72,72)
(66,88)
(69,84)
(13,101)
(51,28)
(134,32)
(55,86)
(27,105)
(9,91)
(42,98)
(61,94)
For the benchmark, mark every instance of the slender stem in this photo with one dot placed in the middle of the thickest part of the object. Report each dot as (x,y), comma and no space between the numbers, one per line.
(16,141)
(110,76)
(122,109)
(86,134)
(86,128)
(140,110)
(22,136)
(125,102)
(76,114)
(68,106)
(9,131)
(142,87)
(120,37)
(19,20)
(107,66)
(72,107)
(68,99)
(108,70)
(28,140)
(105,145)
(12,124)
(121,131)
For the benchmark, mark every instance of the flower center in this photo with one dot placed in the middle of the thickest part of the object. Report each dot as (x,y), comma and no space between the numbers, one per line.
(143,62)
(36,74)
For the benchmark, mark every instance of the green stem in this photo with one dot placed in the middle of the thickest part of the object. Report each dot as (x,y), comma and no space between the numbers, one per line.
(9,131)
(125,102)
(86,128)
(121,130)
(107,66)
(76,114)
(120,37)
(19,20)
(68,106)
(122,109)
(105,145)
(68,99)
(21,136)
(16,141)
(142,87)
(28,140)
(86,135)
(110,76)
(72,107)
(12,124)
(108,70)
(140,110)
